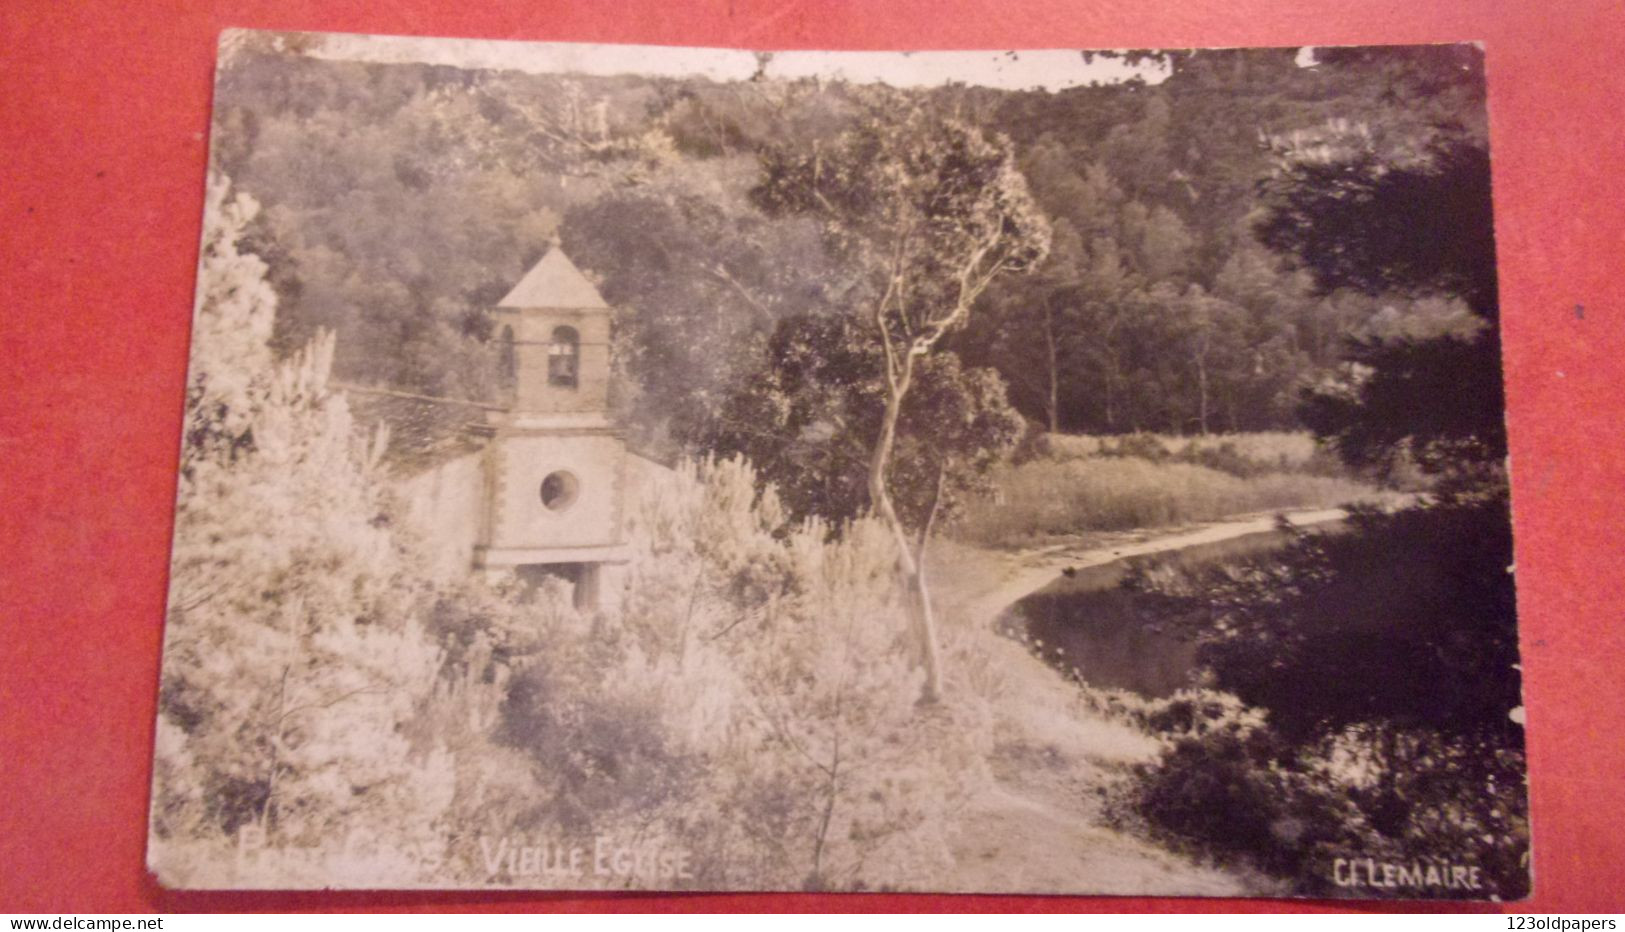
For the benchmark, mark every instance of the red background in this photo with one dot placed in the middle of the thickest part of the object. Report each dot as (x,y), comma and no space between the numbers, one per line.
(103,116)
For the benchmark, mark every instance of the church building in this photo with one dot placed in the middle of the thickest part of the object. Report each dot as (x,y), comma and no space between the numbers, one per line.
(544,493)
(556,465)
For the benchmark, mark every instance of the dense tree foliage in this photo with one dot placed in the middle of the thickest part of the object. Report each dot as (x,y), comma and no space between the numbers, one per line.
(817,275)
(402,200)
(1358,221)
(1386,656)
(807,416)
(709,286)
(1161,184)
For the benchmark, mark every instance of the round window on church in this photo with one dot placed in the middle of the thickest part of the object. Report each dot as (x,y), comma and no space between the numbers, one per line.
(559,490)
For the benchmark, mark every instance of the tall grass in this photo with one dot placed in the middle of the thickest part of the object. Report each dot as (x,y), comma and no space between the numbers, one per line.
(1242,453)
(1090,484)
(1288,450)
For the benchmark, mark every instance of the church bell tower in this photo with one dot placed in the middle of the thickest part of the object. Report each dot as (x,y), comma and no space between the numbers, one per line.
(556,468)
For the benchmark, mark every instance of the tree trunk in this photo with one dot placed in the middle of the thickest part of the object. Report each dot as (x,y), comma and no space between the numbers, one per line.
(1201,392)
(1111,409)
(1114,380)
(925,623)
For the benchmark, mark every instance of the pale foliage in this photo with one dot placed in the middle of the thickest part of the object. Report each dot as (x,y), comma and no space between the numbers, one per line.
(231,324)
(291,663)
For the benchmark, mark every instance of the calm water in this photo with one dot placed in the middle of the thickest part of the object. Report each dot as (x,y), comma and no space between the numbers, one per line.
(1087,622)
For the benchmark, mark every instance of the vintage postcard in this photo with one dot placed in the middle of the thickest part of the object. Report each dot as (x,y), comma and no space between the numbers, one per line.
(682,469)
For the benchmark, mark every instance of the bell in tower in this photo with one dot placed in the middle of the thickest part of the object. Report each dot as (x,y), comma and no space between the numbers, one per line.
(556,469)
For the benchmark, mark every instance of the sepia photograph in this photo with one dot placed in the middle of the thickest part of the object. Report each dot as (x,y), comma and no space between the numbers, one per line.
(656,468)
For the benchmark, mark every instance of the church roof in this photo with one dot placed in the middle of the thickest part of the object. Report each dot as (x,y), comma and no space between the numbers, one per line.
(554,282)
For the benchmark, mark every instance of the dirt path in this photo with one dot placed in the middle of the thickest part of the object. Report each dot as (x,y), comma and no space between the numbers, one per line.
(1038,828)
(1022,836)
(1028,571)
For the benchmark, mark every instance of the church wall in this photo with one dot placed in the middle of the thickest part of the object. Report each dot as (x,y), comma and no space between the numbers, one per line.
(521,463)
(447,506)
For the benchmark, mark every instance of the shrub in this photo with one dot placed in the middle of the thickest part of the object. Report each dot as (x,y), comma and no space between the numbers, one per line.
(1381,622)
(1275,451)
(1244,455)
(600,750)
(293,665)
(1279,451)
(753,702)
(1142,445)
(1248,795)
(790,664)
(1236,791)
(1386,666)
